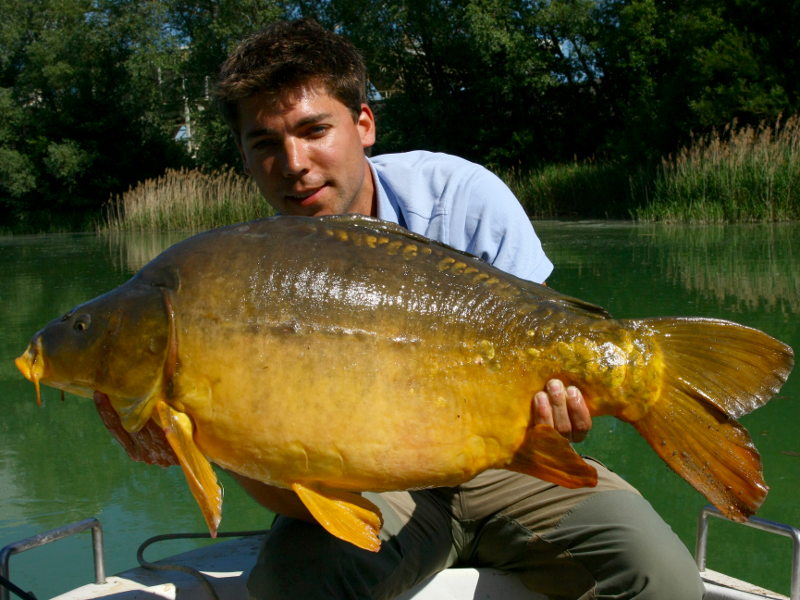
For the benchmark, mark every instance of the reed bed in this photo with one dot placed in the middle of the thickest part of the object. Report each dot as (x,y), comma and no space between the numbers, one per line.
(738,174)
(576,189)
(718,262)
(186,200)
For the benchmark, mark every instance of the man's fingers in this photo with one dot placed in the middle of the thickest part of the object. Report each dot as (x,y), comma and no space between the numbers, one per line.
(564,409)
(558,402)
(579,415)
(543,414)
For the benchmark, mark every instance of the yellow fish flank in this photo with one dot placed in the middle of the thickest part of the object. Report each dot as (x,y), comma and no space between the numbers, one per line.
(338,355)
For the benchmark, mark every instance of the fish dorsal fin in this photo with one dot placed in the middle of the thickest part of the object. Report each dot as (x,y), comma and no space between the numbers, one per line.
(199,474)
(346,515)
(543,293)
(548,455)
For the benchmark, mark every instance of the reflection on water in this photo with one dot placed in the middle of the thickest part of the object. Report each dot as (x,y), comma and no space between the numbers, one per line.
(58,464)
(130,251)
(744,267)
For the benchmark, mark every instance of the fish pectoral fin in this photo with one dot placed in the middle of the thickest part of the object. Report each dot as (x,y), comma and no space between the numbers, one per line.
(548,455)
(346,515)
(199,474)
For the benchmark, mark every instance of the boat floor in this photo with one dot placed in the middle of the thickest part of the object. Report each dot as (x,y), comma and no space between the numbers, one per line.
(225,565)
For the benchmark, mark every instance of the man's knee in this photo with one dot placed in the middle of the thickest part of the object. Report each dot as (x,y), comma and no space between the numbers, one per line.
(630,550)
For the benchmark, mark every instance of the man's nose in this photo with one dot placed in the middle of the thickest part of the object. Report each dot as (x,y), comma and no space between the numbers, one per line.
(295,158)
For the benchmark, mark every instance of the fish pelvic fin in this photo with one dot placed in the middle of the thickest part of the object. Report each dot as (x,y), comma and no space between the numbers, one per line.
(346,515)
(714,372)
(548,455)
(199,474)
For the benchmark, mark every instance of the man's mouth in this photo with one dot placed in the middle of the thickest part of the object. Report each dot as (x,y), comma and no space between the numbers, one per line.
(305,197)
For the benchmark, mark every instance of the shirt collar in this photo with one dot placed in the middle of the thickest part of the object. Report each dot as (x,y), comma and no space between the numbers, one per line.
(388,208)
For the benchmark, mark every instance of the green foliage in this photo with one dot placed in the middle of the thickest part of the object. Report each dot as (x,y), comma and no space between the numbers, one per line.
(16,173)
(66,161)
(748,71)
(586,189)
(82,104)
(493,80)
(93,92)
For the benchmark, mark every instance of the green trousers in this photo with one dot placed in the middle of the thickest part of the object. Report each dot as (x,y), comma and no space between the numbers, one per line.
(602,542)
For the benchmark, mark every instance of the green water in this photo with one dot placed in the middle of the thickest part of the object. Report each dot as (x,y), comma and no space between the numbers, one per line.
(58,464)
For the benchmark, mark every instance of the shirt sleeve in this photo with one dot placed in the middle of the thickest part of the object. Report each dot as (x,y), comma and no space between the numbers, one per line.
(493,225)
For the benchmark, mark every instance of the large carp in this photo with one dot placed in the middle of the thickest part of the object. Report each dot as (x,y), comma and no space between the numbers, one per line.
(336,355)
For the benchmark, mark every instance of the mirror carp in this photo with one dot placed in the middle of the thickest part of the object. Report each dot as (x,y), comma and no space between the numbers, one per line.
(337,355)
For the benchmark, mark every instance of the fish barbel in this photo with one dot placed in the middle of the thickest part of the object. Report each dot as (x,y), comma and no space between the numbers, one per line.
(337,355)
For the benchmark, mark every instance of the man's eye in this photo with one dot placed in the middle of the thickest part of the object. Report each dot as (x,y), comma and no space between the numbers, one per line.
(263,144)
(318,130)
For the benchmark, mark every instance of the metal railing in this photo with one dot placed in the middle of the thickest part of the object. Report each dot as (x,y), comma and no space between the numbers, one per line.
(756,523)
(51,536)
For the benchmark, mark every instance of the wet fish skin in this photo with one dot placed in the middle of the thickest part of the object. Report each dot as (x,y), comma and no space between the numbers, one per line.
(342,354)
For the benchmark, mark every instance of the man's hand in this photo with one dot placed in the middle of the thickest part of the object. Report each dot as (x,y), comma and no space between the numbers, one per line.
(564,409)
(148,445)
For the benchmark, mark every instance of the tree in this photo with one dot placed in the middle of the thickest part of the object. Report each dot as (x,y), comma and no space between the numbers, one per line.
(82,105)
(93,92)
(210,30)
(749,71)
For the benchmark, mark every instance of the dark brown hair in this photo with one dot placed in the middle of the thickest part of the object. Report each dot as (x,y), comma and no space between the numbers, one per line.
(287,56)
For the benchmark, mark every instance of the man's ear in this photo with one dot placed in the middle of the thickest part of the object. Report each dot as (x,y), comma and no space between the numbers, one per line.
(366,126)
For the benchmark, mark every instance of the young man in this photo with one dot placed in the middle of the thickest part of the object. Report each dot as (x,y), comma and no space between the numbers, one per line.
(294,96)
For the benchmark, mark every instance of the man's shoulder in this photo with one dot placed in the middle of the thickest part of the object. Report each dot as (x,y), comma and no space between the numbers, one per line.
(421,178)
(423,163)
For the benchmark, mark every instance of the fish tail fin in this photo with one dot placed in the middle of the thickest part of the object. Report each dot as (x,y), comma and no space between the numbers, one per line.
(714,372)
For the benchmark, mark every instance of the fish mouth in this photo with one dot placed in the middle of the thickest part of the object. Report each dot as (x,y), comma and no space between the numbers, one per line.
(31,364)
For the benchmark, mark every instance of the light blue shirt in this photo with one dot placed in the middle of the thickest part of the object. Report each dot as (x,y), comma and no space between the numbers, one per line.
(461,204)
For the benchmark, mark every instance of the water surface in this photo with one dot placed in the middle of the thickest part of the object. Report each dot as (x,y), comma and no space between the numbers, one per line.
(58,464)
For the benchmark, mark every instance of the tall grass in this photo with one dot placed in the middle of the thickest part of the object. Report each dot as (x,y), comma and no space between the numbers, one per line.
(186,200)
(576,189)
(738,174)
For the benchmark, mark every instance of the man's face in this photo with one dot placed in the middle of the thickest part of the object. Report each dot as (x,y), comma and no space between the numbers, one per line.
(306,152)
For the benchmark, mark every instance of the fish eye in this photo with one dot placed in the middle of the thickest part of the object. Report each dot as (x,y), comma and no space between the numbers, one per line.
(82,323)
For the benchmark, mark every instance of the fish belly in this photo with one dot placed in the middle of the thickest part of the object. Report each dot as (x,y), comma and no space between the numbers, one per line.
(356,412)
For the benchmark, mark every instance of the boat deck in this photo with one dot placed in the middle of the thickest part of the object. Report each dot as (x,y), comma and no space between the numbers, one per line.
(225,565)
(219,571)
